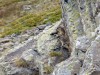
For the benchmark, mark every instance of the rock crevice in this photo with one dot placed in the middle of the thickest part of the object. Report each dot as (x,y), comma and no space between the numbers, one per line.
(83,25)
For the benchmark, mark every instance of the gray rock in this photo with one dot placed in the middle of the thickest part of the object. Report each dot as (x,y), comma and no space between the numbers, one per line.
(92,60)
(45,41)
(19,49)
(41,27)
(1,49)
(4,40)
(27,7)
(68,67)
(28,55)
(97,38)
(62,71)
(2,70)
(83,26)
(97,30)
(7,45)
(82,43)
(20,71)
(36,31)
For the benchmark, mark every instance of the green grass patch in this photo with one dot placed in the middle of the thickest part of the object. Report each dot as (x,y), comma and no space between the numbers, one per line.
(55,53)
(30,20)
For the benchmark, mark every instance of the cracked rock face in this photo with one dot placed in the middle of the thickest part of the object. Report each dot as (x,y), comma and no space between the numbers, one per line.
(82,20)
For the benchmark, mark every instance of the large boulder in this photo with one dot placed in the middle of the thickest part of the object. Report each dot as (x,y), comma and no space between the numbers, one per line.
(52,42)
(45,41)
(68,67)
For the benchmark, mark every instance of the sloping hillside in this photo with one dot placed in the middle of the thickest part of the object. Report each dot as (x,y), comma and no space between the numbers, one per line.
(19,15)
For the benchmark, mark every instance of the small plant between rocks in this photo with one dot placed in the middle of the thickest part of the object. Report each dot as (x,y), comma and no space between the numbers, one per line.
(48,69)
(19,62)
(55,53)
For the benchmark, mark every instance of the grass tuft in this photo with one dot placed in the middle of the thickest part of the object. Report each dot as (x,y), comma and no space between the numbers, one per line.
(54,54)
(48,69)
(19,62)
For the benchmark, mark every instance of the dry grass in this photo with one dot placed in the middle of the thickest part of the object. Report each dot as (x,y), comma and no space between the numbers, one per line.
(19,62)
(48,69)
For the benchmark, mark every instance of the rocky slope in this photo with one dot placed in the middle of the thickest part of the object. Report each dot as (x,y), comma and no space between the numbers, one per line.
(70,46)
(35,51)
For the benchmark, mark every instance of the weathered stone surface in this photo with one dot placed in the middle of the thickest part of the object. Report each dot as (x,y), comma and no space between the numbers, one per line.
(20,71)
(92,59)
(82,43)
(45,41)
(29,55)
(4,40)
(82,20)
(2,71)
(68,67)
